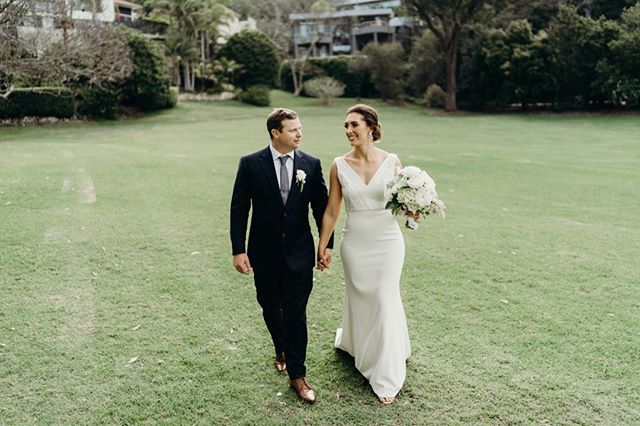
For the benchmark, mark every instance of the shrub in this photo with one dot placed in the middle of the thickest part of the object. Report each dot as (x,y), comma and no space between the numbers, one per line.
(324,88)
(256,95)
(38,102)
(173,96)
(148,86)
(99,102)
(435,97)
(357,81)
(257,55)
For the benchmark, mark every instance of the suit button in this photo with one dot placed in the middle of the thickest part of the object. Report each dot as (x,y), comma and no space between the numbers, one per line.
(284,235)
(285,214)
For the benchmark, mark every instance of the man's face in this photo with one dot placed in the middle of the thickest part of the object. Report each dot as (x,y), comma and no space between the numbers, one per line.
(289,137)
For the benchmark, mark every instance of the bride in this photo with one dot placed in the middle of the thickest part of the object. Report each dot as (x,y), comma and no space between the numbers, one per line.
(374,328)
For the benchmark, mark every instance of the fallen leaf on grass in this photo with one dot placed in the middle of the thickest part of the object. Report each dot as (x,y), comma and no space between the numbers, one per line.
(195,253)
(505,301)
(136,327)
(132,360)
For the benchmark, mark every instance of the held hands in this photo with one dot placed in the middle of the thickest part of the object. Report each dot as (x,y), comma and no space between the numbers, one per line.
(241,263)
(324,258)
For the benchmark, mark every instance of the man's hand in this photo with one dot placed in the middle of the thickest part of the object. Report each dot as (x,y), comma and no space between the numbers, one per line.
(241,263)
(324,259)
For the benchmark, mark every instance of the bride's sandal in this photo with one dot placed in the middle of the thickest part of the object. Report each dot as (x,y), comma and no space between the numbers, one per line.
(386,400)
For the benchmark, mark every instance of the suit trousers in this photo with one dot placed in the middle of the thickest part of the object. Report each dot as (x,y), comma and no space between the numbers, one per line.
(283,295)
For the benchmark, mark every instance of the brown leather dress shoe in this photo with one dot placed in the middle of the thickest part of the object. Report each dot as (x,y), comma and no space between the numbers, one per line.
(280,364)
(303,390)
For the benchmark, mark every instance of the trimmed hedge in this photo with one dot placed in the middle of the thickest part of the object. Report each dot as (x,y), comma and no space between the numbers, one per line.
(38,102)
(256,95)
(98,102)
(357,82)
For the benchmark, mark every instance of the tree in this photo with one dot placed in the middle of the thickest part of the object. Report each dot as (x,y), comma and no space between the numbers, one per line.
(618,72)
(192,29)
(258,56)
(521,60)
(426,64)
(92,54)
(273,20)
(576,46)
(385,62)
(446,19)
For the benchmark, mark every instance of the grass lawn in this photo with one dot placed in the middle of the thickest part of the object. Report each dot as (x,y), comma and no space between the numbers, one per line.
(119,303)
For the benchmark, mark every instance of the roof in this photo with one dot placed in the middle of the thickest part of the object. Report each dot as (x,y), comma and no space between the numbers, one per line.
(341,14)
(128,4)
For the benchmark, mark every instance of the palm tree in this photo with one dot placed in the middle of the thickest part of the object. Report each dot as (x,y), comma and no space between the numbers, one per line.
(192,24)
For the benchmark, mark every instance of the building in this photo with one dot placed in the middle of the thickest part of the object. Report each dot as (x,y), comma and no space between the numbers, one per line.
(348,28)
(126,11)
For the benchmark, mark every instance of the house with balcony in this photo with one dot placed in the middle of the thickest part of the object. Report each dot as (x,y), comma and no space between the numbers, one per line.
(348,28)
(126,11)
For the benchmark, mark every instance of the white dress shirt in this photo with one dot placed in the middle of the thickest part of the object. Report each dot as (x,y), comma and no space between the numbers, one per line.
(276,163)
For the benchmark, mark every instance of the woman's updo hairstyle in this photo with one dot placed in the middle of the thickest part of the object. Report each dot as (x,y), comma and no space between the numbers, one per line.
(370,116)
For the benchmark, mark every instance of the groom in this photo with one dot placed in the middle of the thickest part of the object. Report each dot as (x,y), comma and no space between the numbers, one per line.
(279,183)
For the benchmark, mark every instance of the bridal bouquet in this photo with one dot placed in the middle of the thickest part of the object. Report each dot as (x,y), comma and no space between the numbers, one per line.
(413,190)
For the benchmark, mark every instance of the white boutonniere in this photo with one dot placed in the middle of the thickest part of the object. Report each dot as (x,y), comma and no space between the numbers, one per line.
(301,177)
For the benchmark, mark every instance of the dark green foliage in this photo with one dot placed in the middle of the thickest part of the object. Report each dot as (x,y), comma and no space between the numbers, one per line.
(611,9)
(99,102)
(148,87)
(357,81)
(38,102)
(426,65)
(386,64)
(256,95)
(576,45)
(619,75)
(173,97)
(257,55)
(435,96)
(520,61)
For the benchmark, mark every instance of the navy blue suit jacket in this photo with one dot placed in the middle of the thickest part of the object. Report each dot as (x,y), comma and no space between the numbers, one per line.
(278,232)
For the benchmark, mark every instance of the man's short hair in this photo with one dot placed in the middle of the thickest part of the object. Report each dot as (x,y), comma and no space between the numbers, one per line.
(274,120)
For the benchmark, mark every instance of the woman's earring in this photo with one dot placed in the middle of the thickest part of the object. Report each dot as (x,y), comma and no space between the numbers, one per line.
(370,136)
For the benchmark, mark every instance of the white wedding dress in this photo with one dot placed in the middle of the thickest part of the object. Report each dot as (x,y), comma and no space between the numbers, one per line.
(374,327)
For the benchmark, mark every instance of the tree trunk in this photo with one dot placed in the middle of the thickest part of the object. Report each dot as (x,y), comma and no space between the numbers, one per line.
(193,79)
(452,86)
(186,67)
(297,76)
(175,72)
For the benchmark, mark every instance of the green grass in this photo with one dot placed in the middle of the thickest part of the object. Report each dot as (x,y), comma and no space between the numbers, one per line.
(523,305)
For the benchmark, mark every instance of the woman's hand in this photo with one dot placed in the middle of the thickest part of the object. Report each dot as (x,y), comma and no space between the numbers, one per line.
(323,258)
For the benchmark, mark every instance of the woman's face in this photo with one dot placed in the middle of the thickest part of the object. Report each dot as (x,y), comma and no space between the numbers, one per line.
(356,129)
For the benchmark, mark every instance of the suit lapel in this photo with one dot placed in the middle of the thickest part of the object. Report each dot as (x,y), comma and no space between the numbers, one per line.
(270,171)
(299,163)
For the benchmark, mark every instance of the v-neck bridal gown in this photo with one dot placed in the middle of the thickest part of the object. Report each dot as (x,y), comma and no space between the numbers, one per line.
(374,327)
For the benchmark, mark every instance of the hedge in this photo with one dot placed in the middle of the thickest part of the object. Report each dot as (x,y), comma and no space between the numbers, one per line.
(38,102)
(148,87)
(98,102)
(256,95)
